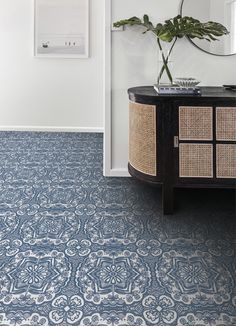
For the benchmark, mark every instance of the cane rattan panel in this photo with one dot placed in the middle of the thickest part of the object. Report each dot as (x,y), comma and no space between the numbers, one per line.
(195,123)
(196,160)
(142,138)
(226,123)
(226,161)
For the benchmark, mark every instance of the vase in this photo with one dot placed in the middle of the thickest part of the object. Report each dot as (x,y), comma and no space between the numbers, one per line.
(165,64)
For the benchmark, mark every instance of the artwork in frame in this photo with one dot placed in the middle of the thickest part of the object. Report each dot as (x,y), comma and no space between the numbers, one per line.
(61,28)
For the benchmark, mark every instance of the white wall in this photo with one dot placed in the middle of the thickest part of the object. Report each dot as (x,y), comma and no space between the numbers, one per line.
(46,93)
(134,63)
(202,11)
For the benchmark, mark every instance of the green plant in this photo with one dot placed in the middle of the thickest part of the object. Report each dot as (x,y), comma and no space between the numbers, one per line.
(174,28)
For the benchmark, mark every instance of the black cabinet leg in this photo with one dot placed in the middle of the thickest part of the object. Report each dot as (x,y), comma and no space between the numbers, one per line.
(167,199)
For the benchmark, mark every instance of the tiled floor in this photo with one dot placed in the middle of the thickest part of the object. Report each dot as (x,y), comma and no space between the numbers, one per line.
(80,249)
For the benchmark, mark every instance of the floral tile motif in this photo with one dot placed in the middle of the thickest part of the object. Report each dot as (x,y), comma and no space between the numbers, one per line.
(194,277)
(23,174)
(28,209)
(8,223)
(109,227)
(33,277)
(217,247)
(174,232)
(80,249)
(109,197)
(59,197)
(66,309)
(159,310)
(149,248)
(85,209)
(9,248)
(113,319)
(22,318)
(50,227)
(110,276)
(207,319)
(12,196)
(68,175)
(74,247)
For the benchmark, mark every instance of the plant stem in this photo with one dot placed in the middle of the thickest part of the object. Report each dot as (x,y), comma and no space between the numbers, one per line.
(165,61)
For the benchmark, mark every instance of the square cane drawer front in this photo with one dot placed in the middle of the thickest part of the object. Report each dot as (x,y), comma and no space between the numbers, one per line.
(142,138)
(226,123)
(226,161)
(195,160)
(195,123)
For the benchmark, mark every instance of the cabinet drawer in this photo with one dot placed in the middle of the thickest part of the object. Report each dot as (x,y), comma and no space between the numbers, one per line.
(195,123)
(226,161)
(195,160)
(226,123)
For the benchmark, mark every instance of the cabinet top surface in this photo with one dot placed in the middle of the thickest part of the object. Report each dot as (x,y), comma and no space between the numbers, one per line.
(207,92)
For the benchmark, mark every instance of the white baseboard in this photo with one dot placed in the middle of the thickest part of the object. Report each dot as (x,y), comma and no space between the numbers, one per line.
(118,173)
(51,129)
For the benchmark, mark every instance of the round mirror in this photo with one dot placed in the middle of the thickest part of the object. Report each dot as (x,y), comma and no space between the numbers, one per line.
(220,11)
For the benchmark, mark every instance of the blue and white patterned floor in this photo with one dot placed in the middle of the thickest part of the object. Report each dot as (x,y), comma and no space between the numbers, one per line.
(79,249)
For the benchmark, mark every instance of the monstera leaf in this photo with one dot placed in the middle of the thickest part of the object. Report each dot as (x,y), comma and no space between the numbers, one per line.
(174,28)
(178,27)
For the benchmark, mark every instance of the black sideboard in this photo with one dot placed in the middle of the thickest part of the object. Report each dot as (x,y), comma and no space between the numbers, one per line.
(182,141)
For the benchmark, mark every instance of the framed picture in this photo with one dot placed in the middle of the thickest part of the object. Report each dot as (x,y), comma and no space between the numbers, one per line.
(61,28)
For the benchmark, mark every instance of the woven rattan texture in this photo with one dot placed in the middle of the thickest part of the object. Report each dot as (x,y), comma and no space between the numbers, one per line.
(196,160)
(195,123)
(226,160)
(226,123)
(142,138)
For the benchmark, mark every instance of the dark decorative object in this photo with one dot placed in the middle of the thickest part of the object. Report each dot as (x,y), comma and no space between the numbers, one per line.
(177,90)
(183,141)
(230,87)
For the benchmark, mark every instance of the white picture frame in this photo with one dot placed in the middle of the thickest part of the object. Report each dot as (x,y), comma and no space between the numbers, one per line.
(61,28)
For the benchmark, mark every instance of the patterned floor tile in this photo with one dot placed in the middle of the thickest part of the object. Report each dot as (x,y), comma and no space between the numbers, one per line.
(80,249)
